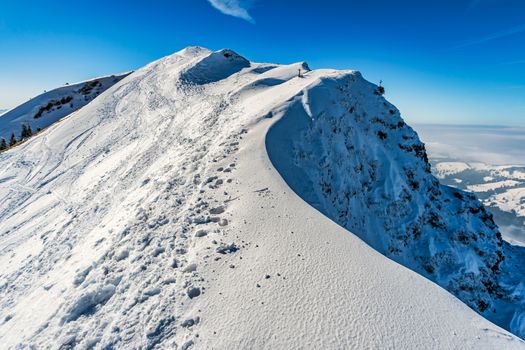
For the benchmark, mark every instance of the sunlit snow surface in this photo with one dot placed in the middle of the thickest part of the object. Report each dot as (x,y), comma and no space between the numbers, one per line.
(155,217)
(51,106)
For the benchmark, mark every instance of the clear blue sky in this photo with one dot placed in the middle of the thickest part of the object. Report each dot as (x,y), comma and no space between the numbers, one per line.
(442,61)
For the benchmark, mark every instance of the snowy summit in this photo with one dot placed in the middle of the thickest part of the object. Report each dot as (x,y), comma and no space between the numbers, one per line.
(209,202)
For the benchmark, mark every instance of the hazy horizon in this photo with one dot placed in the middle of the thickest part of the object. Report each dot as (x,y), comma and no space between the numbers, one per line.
(494,145)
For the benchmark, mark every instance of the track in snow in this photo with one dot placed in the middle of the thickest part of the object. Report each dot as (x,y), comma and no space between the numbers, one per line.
(154,218)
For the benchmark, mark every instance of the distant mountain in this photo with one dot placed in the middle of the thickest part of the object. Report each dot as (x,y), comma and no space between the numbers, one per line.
(211,202)
(2,111)
(51,106)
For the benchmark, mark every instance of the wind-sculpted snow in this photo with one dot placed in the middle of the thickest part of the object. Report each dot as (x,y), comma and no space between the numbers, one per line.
(214,67)
(153,218)
(346,150)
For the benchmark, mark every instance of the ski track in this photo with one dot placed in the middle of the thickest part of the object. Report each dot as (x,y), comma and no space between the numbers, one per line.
(113,220)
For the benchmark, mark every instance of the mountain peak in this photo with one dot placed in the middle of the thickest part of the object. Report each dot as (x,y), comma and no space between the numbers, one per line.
(193,51)
(214,66)
(163,215)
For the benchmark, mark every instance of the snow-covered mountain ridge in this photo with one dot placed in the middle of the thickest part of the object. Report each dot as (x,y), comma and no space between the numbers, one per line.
(366,169)
(51,106)
(157,217)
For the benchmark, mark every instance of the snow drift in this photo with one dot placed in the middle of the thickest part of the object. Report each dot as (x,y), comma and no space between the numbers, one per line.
(156,217)
(347,152)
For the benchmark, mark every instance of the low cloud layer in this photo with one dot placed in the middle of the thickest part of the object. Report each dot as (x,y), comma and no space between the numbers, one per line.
(491,145)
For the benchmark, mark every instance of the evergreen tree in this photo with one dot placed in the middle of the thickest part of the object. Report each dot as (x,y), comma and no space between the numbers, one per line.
(3,144)
(23,134)
(12,140)
(26,132)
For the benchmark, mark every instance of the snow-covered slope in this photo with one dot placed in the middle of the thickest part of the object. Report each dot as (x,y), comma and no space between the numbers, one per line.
(487,160)
(349,154)
(156,217)
(51,106)
(500,187)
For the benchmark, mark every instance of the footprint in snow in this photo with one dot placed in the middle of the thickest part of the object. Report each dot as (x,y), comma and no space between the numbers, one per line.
(193,292)
(201,233)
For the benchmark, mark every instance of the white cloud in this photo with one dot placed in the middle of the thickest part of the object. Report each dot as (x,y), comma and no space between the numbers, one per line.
(235,8)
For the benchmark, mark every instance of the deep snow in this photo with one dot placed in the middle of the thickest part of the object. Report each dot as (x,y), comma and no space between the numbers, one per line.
(154,217)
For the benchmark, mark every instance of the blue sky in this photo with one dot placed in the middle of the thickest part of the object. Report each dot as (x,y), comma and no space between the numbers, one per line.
(460,61)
